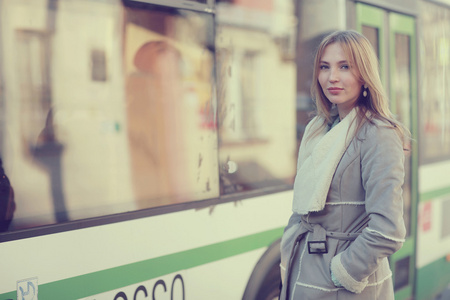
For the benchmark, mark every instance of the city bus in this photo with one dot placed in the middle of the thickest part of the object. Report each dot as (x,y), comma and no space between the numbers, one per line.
(150,146)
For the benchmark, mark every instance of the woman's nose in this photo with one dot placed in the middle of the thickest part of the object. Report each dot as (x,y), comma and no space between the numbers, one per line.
(333,75)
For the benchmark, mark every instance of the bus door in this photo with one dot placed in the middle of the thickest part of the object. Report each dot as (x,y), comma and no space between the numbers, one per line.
(394,39)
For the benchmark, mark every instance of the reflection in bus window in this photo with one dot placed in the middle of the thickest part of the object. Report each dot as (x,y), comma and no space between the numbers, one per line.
(169,98)
(435,63)
(372,34)
(112,117)
(256,90)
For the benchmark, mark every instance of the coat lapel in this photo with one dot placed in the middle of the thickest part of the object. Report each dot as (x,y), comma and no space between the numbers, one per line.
(319,156)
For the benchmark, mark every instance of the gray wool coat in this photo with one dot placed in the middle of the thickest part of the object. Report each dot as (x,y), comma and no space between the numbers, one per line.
(362,224)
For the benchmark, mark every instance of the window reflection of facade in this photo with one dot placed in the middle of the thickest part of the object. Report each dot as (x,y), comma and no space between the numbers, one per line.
(256,90)
(435,65)
(169,70)
(371,33)
(34,77)
(105,122)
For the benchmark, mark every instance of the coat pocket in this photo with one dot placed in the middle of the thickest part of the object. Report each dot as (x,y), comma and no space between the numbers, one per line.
(315,270)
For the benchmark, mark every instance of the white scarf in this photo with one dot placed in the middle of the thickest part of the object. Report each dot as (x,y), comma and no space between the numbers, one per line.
(320,152)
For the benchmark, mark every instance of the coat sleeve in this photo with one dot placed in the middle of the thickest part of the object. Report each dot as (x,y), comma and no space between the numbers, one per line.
(382,175)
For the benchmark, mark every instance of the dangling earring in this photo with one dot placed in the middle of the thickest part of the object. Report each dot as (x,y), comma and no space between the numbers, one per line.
(365,91)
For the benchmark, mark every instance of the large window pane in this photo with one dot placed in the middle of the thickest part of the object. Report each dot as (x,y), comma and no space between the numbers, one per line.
(256,89)
(371,33)
(435,91)
(107,108)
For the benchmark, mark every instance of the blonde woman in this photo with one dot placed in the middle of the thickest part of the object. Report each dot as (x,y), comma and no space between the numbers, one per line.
(347,207)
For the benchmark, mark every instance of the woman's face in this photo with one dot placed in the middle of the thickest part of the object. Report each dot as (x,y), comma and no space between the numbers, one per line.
(339,84)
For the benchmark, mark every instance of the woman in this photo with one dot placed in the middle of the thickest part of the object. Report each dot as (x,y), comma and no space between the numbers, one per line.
(347,207)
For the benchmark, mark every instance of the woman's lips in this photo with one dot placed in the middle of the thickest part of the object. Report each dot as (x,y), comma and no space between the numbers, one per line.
(334,90)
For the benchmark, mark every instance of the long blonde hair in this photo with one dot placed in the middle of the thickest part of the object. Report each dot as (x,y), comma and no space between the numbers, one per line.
(364,64)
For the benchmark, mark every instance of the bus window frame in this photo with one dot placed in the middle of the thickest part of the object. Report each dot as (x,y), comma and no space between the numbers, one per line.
(184,4)
(31,232)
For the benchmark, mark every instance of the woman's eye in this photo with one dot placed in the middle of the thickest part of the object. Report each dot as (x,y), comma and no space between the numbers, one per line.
(323,67)
(345,67)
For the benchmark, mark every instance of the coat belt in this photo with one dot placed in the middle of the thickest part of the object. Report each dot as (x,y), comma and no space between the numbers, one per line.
(317,243)
(319,233)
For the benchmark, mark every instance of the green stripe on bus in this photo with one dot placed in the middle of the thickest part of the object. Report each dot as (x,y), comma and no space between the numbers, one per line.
(434,194)
(432,278)
(115,278)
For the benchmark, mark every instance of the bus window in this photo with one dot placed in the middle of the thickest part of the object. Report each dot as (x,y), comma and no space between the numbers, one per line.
(113,117)
(435,62)
(256,93)
(371,33)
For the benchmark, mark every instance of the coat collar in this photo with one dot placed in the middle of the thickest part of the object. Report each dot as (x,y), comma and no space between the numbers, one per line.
(320,152)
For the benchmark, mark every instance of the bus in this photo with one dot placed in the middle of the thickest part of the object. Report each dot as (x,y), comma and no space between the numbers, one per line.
(150,146)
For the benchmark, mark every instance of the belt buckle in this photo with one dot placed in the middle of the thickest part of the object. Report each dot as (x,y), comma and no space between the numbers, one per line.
(317,250)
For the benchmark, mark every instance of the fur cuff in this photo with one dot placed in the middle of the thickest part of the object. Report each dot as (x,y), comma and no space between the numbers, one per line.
(347,281)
